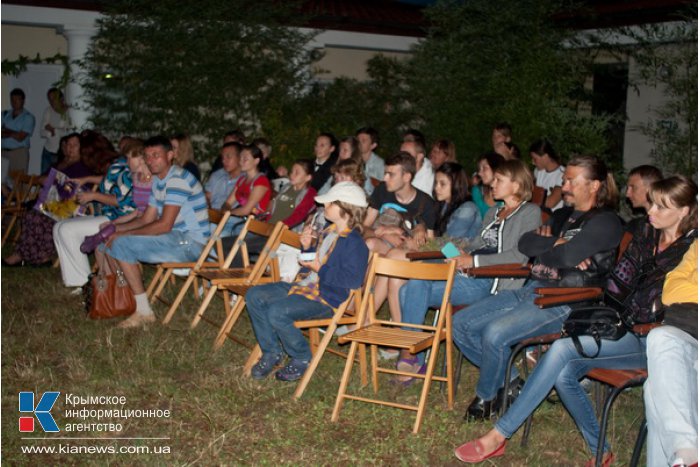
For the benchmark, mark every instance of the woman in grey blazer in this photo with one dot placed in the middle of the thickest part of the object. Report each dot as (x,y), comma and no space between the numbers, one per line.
(497,244)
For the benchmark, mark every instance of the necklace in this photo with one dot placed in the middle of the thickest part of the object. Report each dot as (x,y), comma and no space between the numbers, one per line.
(415,193)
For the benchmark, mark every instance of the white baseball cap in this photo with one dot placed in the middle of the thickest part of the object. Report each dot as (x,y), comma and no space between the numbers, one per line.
(347,192)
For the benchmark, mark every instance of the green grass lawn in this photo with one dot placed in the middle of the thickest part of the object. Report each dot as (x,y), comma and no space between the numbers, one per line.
(217,416)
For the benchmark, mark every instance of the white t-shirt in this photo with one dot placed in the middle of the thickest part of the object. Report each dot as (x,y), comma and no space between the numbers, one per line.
(425,178)
(550,180)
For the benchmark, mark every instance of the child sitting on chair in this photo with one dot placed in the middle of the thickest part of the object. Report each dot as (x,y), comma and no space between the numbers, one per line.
(338,267)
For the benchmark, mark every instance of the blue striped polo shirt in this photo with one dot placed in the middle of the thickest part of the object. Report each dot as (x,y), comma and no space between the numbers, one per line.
(181,188)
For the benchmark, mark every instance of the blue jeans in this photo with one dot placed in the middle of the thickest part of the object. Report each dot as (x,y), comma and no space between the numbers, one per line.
(563,368)
(486,331)
(171,246)
(416,296)
(273,313)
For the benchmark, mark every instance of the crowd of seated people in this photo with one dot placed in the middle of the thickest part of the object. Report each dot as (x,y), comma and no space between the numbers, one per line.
(151,207)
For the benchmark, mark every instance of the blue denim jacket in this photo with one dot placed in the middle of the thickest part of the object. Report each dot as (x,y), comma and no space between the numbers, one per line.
(465,222)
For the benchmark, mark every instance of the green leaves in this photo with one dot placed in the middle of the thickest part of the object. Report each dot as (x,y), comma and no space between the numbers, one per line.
(201,67)
(487,61)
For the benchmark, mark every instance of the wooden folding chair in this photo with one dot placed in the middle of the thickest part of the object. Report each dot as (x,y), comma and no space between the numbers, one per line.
(267,259)
(212,256)
(25,188)
(319,346)
(227,275)
(393,334)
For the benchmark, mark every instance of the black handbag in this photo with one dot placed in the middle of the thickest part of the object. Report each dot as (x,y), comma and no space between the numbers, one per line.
(599,322)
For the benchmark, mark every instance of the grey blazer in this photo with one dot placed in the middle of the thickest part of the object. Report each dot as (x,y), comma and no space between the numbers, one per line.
(525,218)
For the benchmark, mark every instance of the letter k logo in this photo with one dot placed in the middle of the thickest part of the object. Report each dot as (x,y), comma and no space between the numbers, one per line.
(41,411)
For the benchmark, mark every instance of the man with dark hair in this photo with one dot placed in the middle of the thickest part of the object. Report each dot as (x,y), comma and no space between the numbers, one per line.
(233,136)
(396,209)
(639,180)
(412,135)
(425,176)
(17,129)
(222,182)
(174,227)
(367,141)
(576,248)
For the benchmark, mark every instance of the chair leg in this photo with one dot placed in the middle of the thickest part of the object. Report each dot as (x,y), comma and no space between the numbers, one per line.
(458,371)
(317,355)
(449,374)
(178,299)
(154,281)
(363,364)
(639,444)
(506,381)
(344,381)
(614,392)
(429,372)
(161,285)
(202,307)
(229,323)
(375,373)
(253,358)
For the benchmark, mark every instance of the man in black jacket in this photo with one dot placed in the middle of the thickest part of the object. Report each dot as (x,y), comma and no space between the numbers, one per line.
(577,247)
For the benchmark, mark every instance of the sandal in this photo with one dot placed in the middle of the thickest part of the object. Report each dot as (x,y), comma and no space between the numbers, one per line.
(409,365)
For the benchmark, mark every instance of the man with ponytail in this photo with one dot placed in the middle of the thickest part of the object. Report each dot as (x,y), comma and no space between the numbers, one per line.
(576,248)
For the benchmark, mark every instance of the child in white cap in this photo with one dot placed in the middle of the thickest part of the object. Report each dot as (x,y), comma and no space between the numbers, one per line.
(338,266)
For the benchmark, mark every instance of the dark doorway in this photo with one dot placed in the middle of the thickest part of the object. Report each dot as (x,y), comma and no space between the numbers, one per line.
(610,97)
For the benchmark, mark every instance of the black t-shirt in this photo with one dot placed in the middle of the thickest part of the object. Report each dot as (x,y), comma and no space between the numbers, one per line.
(422,209)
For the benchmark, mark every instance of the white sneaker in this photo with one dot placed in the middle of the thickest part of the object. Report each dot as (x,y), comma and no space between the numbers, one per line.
(181,272)
(137,320)
(388,354)
(342,330)
(77,291)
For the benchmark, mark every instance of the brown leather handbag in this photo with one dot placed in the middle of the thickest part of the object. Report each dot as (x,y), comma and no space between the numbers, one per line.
(109,296)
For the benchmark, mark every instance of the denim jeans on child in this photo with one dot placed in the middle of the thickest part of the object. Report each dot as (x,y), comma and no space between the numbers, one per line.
(273,312)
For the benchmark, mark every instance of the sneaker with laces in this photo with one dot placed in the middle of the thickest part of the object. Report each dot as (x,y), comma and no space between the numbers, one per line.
(293,371)
(265,365)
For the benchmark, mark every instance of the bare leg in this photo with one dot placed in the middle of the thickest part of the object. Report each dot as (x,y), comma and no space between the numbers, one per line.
(377,245)
(132,273)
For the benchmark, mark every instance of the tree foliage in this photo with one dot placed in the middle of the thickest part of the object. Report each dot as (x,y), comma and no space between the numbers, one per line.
(487,61)
(201,67)
(341,107)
